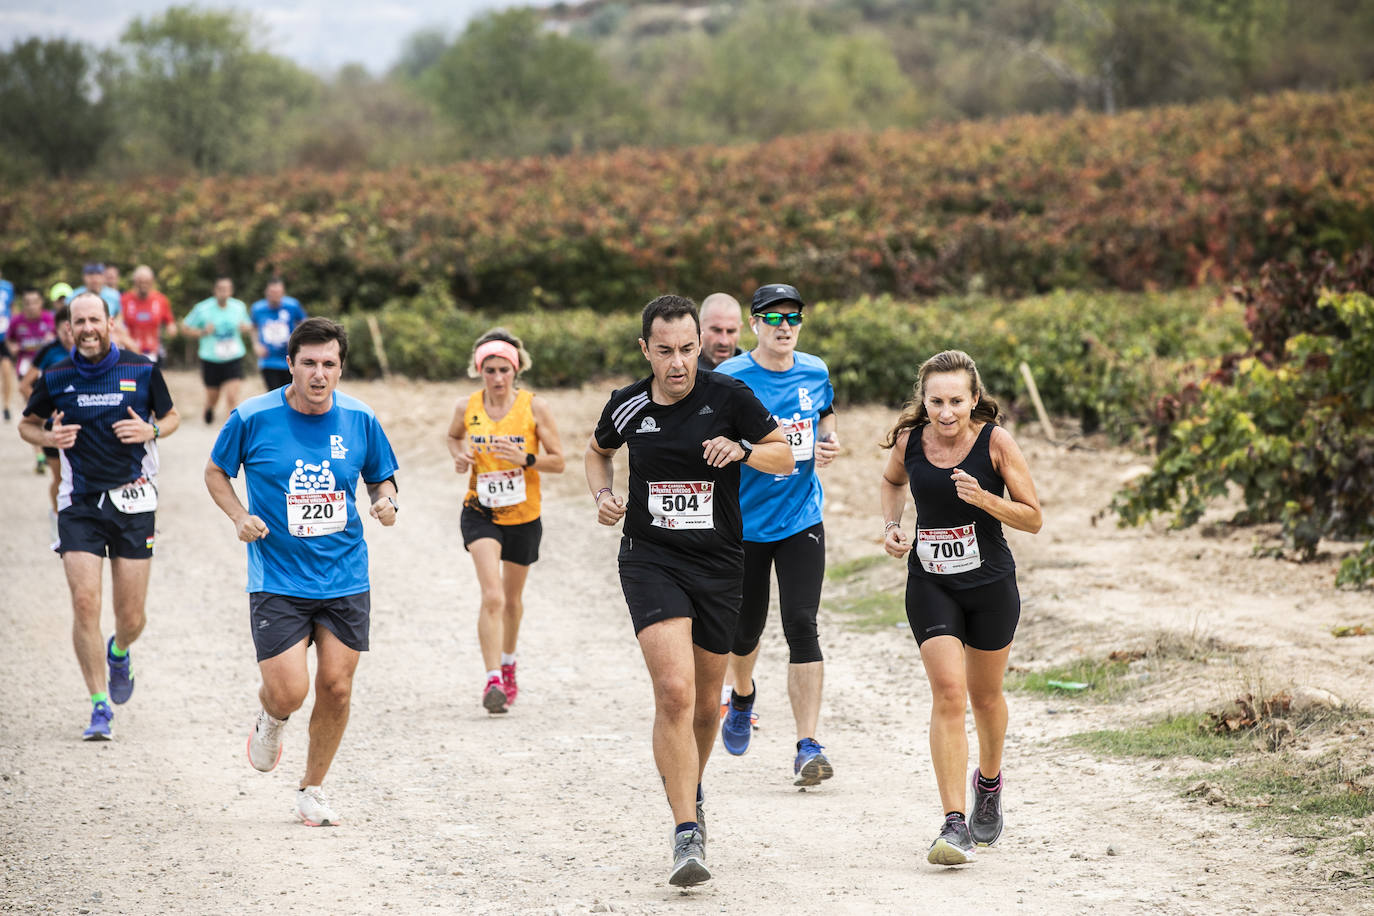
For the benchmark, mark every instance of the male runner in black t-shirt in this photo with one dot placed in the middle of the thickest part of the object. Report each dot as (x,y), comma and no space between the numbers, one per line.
(682,556)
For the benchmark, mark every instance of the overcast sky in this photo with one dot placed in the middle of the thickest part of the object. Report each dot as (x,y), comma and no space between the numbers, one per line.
(320,35)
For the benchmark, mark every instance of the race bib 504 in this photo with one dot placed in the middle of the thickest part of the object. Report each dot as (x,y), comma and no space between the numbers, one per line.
(680,505)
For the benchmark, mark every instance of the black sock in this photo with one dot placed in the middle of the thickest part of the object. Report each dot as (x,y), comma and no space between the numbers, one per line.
(954,816)
(700,798)
(687,825)
(989,785)
(742,702)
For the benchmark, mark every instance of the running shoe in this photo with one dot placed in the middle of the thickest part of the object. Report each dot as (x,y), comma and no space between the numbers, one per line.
(99,729)
(508,683)
(494,696)
(689,859)
(811,766)
(313,809)
(738,726)
(985,824)
(954,845)
(264,744)
(121,674)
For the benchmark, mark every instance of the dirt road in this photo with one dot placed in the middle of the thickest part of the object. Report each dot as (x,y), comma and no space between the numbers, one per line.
(556,808)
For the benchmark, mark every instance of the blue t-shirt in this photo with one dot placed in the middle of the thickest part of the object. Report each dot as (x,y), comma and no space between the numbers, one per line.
(98,461)
(779,507)
(274,326)
(111,297)
(285,454)
(6,297)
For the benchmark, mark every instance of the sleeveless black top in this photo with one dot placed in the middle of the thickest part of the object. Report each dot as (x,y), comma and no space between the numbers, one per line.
(956,544)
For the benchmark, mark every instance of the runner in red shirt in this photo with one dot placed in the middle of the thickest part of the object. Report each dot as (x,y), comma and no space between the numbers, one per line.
(145,312)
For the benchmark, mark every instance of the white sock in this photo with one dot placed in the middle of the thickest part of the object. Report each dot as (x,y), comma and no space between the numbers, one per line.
(494,674)
(507,658)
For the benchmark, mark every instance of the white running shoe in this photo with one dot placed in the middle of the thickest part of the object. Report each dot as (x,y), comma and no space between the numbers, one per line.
(264,744)
(313,809)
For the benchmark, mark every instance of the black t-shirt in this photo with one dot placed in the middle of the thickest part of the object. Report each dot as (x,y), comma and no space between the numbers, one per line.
(682,512)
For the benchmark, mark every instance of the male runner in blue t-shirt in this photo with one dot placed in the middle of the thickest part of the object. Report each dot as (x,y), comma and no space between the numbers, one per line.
(108,406)
(302,449)
(274,316)
(782,525)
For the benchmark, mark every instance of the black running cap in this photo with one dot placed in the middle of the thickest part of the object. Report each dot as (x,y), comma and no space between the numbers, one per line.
(772,294)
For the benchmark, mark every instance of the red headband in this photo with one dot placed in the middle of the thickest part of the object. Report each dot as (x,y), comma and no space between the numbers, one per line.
(496,348)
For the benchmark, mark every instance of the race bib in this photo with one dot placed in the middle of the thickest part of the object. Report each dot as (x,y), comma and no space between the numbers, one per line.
(801,436)
(226,348)
(501,488)
(135,496)
(681,504)
(946,551)
(275,333)
(309,515)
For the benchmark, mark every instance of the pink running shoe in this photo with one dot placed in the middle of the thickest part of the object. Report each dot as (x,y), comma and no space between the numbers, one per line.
(494,696)
(508,683)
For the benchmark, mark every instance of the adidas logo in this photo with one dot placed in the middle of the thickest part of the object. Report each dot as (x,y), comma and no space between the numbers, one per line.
(68,388)
(705,410)
(648,425)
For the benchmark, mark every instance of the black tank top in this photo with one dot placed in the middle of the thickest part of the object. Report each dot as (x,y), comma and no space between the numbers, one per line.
(956,545)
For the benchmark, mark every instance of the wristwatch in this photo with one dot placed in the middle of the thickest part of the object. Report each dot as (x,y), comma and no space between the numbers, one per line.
(395,506)
(529,459)
(748,450)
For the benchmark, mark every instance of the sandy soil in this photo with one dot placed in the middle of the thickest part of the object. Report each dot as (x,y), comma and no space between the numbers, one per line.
(556,808)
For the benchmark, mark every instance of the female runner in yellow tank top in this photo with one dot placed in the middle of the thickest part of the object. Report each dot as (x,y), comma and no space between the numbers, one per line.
(494,439)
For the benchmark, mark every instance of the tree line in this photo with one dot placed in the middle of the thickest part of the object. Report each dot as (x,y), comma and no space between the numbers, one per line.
(196,91)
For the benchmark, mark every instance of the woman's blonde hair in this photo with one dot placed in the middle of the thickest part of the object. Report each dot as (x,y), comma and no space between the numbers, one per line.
(913,413)
(501,334)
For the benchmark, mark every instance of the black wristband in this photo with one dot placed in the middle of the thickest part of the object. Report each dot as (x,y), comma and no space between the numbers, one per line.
(748,450)
(529,459)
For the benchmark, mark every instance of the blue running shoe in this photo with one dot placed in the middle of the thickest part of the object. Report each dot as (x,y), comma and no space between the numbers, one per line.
(121,675)
(811,766)
(738,726)
(99,730)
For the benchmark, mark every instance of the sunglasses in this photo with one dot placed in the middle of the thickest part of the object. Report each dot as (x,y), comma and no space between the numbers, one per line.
(773,319)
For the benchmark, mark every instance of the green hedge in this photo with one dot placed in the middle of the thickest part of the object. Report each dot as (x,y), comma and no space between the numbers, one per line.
(1103,358)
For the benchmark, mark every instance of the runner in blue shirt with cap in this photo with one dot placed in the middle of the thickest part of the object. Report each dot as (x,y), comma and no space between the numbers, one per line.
(782,525)
(302,449)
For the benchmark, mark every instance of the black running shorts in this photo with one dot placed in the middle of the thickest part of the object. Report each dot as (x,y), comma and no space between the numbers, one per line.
(275,378)
(519,543)
(281,621)
(92,524)
(983,617)
(214,374)
(655,593)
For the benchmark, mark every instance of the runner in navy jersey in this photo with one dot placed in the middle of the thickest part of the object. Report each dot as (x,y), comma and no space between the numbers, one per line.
(681,557)
(961,597)
(108,407)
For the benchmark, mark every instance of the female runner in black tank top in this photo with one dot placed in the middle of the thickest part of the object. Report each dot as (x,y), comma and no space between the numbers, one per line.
(962,600)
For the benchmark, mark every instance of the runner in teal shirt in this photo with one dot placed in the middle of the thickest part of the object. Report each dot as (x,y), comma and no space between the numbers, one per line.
(220,322)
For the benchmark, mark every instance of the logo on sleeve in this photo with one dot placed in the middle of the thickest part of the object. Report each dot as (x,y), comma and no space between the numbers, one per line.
(648,425)
(336,447)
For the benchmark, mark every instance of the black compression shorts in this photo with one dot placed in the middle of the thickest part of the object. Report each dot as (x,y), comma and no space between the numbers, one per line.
(983,617)
(800,564)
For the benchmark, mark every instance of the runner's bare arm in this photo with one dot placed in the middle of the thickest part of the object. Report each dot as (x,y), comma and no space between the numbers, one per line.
(383,496)
(457,440)
(828,445)
(552,461)
(249,527)
(1021,508)
(771,454)
(62,435)
(600,470)
(892,497)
